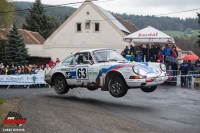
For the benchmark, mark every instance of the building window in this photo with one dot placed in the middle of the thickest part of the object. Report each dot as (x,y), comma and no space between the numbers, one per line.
(96,26)
(87,25)
(78,26)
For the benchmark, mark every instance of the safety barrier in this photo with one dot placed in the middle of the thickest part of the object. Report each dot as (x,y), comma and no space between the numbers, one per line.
(175,77)
(22,80)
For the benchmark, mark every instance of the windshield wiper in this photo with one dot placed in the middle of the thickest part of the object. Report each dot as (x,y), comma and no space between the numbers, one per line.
(102,61)
(112,60)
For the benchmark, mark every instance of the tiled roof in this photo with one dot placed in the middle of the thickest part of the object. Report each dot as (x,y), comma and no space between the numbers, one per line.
(129,26)
(31,37)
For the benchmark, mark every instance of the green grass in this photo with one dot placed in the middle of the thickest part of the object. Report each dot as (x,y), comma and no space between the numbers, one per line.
(173,33)
(1,101)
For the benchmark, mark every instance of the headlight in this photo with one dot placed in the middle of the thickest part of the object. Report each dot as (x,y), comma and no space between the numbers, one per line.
(136,70)
(163,67)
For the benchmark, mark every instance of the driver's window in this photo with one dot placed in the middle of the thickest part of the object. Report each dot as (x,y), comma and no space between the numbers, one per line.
(81,58)
(68,61)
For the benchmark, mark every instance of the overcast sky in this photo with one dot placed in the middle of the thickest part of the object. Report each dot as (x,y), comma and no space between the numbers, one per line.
(141,7)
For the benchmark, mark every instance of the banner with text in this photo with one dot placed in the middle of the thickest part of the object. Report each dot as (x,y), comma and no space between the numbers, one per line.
(22,79)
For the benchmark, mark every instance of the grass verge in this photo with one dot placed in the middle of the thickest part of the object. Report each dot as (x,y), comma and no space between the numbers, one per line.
(7,105)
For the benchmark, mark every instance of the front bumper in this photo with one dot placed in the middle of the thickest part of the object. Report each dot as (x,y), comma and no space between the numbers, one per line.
(138,83)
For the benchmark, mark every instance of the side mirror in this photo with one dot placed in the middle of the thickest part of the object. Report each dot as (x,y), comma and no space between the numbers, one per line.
(88,62)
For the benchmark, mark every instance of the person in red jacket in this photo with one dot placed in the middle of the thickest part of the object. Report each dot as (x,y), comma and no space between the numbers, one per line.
(57,60)
(51,63)
(174,53)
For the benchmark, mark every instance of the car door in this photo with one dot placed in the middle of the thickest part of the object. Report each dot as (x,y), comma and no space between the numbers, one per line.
(81,77)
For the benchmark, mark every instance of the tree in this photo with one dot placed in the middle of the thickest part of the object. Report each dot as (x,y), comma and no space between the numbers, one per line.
(37,20)
(15,51)
(6,19)
(198,36)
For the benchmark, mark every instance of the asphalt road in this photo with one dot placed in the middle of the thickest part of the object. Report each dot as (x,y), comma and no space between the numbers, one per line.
(168,109)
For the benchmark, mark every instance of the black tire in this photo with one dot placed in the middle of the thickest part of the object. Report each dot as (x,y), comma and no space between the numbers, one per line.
(60,85)
(92,88)
(117,87)
(149,89)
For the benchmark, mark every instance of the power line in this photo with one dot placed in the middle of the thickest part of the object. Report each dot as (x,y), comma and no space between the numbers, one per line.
(177,12)
(51,6)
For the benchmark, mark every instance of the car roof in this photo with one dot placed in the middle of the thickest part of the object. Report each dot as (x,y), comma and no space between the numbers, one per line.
(91,50)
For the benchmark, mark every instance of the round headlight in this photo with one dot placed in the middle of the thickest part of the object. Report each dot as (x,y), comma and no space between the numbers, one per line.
(163,67)
(136,69)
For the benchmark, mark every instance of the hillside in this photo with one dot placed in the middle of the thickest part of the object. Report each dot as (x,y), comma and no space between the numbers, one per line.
(161,23)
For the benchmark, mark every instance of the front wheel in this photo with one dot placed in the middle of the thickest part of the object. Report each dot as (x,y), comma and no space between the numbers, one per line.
(117,87)
(149,89)
(60,84)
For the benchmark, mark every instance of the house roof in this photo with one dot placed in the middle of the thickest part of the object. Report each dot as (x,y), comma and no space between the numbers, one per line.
(128,25)
(31,37)
(28,36)
(114,20)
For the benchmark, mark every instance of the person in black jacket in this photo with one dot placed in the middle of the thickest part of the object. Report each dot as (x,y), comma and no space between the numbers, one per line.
(126,50)
(183,70)
(154,53)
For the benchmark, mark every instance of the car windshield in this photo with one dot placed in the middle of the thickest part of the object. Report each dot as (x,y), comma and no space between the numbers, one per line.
(108,55)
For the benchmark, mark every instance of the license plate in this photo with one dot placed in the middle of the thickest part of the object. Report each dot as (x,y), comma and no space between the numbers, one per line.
(158,79)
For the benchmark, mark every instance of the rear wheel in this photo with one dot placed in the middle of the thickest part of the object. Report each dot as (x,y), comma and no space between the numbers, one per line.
(117,87)
(149,89)
(60,85)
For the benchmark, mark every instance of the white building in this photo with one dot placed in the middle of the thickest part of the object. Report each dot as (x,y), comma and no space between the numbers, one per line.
(88,27)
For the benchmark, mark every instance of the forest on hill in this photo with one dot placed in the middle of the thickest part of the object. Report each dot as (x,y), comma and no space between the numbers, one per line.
(161,23)
(178,28)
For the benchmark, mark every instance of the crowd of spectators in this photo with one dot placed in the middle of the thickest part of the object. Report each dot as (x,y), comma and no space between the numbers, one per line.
(153,53)
(27,69)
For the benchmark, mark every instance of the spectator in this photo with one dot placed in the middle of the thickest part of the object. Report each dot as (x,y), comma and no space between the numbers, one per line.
(39,71)
(189,69)
(19,70)
(22,70)
(132,57)
(26,70)
(1,70)
(138,52)
(47,69)
(128,56)
(154,53)
(12,71)
(125,50)
(160,57)
(7,71)
(15,70)
(51,63)
(32,71)
(52,66)
(174,53)
(42,67)
(57,60)
(197,63)
(183,70)
(29,67)
(123,54)
(131,49)
(167,51)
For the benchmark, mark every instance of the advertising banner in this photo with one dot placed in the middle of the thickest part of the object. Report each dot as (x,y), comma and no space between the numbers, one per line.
(21,79)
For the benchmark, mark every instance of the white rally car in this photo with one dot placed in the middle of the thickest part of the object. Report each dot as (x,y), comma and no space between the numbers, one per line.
(105,69)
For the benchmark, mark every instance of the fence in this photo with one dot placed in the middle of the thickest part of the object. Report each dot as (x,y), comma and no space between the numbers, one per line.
(25,80)
(175,77)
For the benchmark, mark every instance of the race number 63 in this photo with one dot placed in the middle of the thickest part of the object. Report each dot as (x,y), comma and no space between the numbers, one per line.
(82,73)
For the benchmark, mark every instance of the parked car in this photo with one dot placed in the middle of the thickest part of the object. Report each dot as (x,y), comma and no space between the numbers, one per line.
(105,69)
